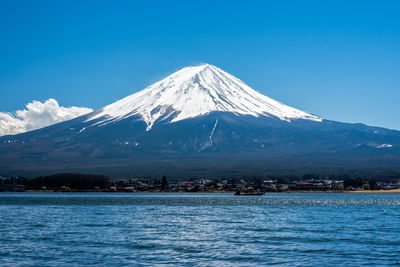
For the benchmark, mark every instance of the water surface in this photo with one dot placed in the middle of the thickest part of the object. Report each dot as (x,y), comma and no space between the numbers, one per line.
(77,229)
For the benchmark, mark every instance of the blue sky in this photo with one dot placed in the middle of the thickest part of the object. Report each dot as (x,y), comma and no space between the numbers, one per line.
(337,59)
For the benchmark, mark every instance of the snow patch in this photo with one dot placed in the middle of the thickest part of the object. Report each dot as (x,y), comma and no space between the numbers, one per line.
(212,132)
(384,146)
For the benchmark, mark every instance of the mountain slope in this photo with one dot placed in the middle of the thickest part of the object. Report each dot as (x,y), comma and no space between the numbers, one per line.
(195,91)
(200,121)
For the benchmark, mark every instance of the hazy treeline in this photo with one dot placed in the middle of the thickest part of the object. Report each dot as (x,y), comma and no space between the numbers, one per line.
(70,180)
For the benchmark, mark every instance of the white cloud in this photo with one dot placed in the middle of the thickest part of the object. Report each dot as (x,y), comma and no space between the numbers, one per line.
(37,115)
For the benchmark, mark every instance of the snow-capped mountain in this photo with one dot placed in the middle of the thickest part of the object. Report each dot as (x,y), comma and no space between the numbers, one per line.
(200,121)
(195,91)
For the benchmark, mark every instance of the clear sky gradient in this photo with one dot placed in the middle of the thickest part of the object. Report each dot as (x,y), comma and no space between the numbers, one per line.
(337,59)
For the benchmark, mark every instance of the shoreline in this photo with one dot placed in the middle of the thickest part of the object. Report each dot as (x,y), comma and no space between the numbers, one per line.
(381,191)
(377,191)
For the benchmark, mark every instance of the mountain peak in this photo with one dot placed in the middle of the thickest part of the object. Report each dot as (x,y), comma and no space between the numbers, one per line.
(194,91)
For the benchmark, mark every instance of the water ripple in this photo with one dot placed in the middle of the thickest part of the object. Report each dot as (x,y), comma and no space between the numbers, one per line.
(76,229)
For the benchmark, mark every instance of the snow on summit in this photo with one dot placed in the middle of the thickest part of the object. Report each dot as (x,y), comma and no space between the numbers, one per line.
(194,91)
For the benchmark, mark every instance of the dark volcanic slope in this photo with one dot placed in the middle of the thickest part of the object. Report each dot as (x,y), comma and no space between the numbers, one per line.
(217,144)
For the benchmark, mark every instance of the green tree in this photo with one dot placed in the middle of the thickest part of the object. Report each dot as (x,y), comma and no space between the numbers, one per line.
(366,187)
(164,183)
(373,185)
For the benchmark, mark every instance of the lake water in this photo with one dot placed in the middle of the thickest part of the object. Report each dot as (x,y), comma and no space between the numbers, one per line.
(79,229)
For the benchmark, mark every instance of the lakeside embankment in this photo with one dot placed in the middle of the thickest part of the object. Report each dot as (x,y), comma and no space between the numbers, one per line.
(376,191)
(391,191)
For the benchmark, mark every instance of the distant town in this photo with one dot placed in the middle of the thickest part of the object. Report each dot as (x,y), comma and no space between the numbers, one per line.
(245,184)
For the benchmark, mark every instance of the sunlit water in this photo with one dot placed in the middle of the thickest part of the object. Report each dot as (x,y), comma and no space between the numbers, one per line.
(79,229)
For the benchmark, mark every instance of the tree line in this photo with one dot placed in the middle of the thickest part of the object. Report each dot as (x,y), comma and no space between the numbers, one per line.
(74,181)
